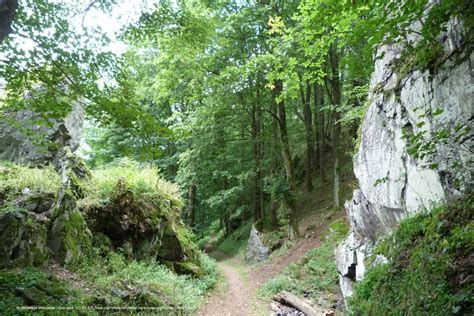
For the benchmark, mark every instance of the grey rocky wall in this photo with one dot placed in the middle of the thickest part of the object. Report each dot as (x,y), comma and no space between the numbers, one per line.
(17,145)
(392,183)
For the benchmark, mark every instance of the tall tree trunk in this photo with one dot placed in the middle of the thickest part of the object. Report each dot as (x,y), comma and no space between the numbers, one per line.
(336,101)
(228,227)
(287,161)
(273,172)
(258,173)
(192,205)
(308,122)
(320,137)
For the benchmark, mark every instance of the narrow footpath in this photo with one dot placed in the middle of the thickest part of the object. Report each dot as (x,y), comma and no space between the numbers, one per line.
(236,294)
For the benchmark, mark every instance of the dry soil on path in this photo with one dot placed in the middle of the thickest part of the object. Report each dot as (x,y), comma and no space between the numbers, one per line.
(236,294)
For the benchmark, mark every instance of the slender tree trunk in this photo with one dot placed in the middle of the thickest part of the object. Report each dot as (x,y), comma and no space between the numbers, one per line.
(318,103)
(260,154)
(273,172)
(336,100)
(258,177)
(192,204)
(228,227)
(308,121)
(287,161)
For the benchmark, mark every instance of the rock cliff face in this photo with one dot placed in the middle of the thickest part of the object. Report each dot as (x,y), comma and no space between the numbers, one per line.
(393,181)
(15,145)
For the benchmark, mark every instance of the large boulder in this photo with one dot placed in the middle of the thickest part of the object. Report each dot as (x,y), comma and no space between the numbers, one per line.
(38,224)
(69,238)
(393,181)
(144,226)
(23,240)
(256,250)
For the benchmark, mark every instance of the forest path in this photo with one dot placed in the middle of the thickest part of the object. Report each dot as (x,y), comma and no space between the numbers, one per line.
(237,294)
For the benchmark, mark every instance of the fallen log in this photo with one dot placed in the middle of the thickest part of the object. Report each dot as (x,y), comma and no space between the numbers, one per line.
(275,307)
(300,304)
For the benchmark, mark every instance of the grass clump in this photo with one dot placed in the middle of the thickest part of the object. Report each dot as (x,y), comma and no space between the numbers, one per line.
(142,181)
(431,259)
(316,276)
(15,178)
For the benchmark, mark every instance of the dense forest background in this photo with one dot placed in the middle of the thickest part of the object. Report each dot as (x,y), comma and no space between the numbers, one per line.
(244,104)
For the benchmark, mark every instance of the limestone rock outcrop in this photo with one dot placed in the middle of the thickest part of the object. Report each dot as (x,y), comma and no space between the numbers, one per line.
(256,250)
(38,224)
(16,143)
(393,181)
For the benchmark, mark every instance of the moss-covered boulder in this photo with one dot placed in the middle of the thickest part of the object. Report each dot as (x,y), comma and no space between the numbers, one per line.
(34,225)
(32,296)
(11,231)
(69,238)
(127,218)
(23,240)
(37,203)
(189,268)
(142,227)
(140,214)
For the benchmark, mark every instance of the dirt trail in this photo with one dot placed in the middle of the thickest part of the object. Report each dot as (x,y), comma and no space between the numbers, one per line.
(237,295)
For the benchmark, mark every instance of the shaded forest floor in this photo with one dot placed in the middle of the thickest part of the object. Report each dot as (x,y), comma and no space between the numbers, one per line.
(238,292)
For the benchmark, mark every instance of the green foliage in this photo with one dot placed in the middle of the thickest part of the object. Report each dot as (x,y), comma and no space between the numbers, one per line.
(15,178)
(47,64)
(147,282)
(428,266)
(236,243)
(142,181)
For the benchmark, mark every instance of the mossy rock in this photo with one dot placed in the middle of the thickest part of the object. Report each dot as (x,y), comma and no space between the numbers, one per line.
(126,218)
(52,287)
(33,250)
(69,237)
(188,268)
(32,296)
(79,175)
(11,231)
(34,287)
(22,240)
(38,203)
(178,251)
(171,248)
